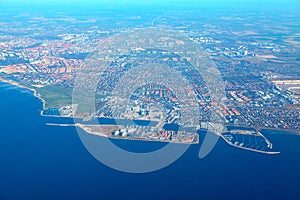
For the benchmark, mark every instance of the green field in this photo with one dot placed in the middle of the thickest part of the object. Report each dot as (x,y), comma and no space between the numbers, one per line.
(83,108)
(55,96)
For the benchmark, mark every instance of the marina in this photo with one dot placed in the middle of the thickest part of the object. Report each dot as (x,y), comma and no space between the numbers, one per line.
(252,140)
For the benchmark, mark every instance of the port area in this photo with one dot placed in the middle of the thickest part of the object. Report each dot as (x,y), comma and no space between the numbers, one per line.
(251,140)
(247,139)
(134,132)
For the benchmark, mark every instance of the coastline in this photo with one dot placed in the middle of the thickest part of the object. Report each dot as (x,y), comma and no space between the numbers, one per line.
(35,94)
(291,131)
(287,131)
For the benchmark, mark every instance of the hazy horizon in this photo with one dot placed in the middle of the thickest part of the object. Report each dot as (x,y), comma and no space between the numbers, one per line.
(198,3)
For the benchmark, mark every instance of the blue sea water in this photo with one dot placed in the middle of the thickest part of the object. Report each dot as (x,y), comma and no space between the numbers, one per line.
(47,162)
